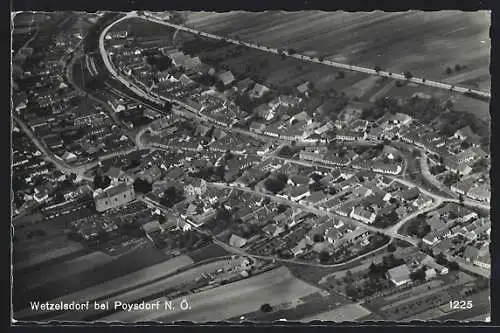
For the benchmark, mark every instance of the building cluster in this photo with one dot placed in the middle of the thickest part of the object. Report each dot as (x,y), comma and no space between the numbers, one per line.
(36,181)
(387,162)
(72,127)
(360,195)
(268,228)
(475,186)
(284,117)
(414,260)
(459,232)
(133,219)
(234,153)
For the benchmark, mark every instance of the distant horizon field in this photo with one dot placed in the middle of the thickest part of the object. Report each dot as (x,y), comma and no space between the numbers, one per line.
(425,43)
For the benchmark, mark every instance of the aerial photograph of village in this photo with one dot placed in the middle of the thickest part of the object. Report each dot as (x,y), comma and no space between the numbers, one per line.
(250,166)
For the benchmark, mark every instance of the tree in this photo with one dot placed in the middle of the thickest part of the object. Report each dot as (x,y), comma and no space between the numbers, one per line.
(266,308)
(276,184)
(352,292)
(461,199)
(101,182)
(441,259)
(219,86)
(317,238)
(408,75)
(316,186)
(171,196)
(391,247)
(324,257)
(142,186)
(448,70)
(453,265)
(97,181)
(418,275)
(291,51)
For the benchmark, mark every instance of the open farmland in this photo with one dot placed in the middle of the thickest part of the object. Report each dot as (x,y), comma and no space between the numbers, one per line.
(139,262)
(61,269)
(274,287)
(274,71)
(119,283)
(147,290)
(424,43)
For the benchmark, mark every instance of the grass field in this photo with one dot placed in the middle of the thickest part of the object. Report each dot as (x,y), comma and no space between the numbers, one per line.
(422,42)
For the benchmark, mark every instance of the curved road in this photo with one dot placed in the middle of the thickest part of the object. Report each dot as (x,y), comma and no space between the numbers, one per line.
(161,99)
(424,168)
(408,183)
(389,232)
(59,164)
(241,252)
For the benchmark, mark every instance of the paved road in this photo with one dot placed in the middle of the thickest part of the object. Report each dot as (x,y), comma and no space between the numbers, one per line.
(395,228)
(466,202)
(406,182)
(320,212)
(241,252)
(371,71)
(61,165)
(69,75)
(49,155)
(470,267)
(424,168)
(194,112)
(391,231)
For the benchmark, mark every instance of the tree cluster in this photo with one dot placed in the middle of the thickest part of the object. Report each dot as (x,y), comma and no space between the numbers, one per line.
(101,181)
(418,275)
(418,227)
(277,183)
(142,186)
(171,196)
